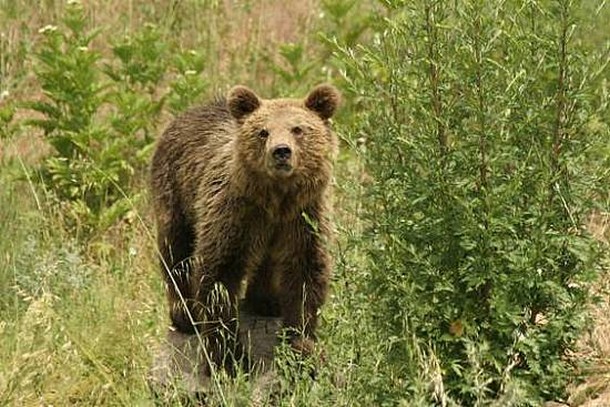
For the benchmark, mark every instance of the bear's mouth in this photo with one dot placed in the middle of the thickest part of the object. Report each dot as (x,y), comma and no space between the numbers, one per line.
(282,170)
(283,167)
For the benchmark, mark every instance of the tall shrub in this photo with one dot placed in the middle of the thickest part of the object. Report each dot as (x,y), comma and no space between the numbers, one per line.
(479,130)
(83,171)
(100,116)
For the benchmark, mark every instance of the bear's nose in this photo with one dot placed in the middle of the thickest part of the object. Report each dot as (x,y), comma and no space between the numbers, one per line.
(282,152)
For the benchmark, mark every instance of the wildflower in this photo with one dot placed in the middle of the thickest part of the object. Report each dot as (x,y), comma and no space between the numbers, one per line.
(47,29)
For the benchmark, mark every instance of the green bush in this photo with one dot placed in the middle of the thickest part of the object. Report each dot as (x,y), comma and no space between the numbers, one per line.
(100,119)
(84,171)
(141,65)
(478,128)
(188,84)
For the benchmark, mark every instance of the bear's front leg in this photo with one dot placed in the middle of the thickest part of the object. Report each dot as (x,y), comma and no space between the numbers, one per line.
(216,282)
(215,314)
(305,275)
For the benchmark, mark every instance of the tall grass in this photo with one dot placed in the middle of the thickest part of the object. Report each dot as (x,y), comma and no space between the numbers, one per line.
(81,315)
(77,326)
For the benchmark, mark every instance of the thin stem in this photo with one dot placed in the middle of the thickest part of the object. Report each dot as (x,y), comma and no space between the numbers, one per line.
(434,76)
(559,131)
(480,91)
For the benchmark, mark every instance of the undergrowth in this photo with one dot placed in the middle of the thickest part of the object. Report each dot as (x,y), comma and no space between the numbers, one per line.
(475,149)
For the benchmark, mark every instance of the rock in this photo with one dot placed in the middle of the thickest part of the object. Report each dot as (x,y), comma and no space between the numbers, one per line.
(179,364)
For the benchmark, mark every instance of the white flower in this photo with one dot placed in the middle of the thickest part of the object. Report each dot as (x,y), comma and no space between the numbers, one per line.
(190,72)
(4,94)
(73,2)
(47,29)
(83,49)
(132,251)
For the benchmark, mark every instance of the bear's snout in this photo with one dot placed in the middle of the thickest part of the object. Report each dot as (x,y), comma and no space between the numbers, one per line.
(280,159)
(281,153)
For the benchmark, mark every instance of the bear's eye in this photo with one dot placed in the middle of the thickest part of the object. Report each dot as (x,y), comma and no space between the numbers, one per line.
(297,130)
(263,133)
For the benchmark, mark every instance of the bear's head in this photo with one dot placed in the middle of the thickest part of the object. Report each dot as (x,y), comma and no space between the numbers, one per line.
(285,141)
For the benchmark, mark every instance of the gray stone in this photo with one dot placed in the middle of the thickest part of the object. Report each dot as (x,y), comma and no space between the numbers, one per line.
(179,362)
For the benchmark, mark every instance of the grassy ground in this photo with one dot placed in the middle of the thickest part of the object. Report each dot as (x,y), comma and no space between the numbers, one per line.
(78,321)
(76,327)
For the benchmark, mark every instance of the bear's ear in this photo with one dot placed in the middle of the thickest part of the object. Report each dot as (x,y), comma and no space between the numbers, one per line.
(323,100)
(242,101)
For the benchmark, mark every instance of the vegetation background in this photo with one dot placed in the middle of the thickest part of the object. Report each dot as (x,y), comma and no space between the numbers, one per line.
(472,207)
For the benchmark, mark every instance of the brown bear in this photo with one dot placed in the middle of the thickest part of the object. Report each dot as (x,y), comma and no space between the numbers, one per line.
(241,191)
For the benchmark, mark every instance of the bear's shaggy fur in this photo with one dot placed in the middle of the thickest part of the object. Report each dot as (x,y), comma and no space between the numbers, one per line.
(241,192)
